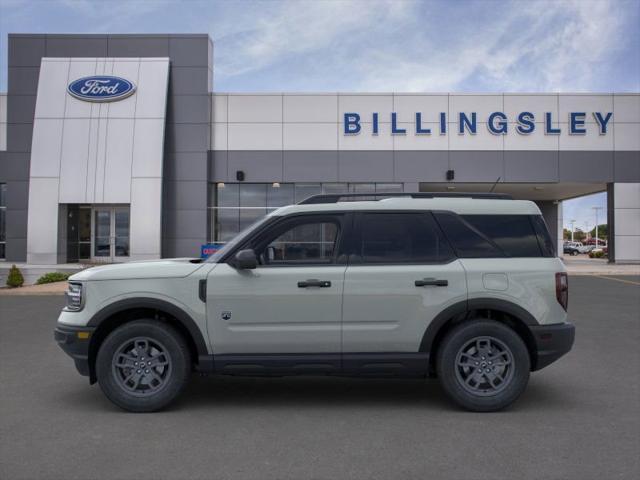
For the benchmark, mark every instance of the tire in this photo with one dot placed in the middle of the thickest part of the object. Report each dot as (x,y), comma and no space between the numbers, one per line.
(143,365)
(504,377)
(574,253)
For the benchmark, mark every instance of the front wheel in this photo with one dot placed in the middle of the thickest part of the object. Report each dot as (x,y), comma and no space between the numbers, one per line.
(143,365)
(483,365)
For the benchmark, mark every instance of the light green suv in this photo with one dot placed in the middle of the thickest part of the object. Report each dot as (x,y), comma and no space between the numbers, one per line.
(463,287)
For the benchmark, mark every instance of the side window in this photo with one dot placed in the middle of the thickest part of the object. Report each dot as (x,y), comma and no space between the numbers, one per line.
(513,234)
(401,238)
(467,242)
(304,243)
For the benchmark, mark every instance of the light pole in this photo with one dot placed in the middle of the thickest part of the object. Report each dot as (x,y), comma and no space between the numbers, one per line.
(596,209)
(572,222)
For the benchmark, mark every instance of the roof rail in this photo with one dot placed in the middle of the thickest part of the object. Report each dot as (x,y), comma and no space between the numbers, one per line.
(336,197)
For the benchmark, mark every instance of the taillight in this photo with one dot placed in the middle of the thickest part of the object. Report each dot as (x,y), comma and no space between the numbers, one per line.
(562,289)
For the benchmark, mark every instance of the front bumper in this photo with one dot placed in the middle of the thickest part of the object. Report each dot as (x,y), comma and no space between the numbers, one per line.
(552,342)
(75,343)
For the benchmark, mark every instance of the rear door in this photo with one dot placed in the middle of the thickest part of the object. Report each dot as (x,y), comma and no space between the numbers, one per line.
(401,274)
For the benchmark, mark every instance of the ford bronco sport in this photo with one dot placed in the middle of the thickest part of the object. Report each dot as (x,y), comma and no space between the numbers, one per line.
(466,288)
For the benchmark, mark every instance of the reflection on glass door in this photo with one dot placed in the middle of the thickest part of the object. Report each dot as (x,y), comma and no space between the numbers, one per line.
(111,233)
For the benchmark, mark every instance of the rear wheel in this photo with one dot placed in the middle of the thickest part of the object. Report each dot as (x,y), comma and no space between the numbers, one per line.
(143,365)
(483,365)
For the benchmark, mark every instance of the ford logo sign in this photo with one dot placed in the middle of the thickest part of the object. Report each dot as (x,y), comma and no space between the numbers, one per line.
(102,88)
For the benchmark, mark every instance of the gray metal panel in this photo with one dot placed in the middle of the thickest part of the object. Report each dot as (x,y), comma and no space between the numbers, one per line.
(17,195)
(76,46)
(258,165)
(19,137)
(531,166)
(16,249)
(186,223)
(586,166)
(16,223)
(218,166)
(188,109)
(477,166)
(26,50)
(23,80)
(365,166)
(185,195)
(22,108)
(626,166)
(182,247)
(310,166)
(189,51)
(138,46)
(15,167)
(185,166)
(421,166)
(187,137)
(188,80)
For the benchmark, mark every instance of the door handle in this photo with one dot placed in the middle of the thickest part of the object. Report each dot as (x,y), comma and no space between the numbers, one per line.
(314,283)
(431,282)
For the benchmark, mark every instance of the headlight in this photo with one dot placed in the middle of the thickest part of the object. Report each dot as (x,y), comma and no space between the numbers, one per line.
(74,297)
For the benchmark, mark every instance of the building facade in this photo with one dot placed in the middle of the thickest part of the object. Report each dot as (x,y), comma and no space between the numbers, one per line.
(116,147)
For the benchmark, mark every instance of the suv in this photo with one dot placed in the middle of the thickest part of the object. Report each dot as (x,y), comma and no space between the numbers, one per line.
(465,288)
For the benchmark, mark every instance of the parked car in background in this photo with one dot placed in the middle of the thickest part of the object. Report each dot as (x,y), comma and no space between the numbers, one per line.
(586,248)
(571,248)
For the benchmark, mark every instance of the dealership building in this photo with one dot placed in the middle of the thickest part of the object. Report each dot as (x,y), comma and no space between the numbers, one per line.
(118,147)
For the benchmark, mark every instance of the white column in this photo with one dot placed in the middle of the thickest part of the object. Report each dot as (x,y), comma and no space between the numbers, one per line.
(560,230)
(626,211)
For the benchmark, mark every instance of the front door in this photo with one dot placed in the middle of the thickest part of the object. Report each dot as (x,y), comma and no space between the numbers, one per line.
(110,234)
(290,304)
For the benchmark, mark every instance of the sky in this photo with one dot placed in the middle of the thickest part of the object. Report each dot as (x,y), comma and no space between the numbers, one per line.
(377,45)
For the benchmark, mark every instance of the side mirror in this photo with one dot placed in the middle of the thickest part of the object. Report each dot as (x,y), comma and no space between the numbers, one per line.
(245,260)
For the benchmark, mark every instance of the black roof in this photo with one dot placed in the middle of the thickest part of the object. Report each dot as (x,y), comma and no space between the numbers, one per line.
(336,197)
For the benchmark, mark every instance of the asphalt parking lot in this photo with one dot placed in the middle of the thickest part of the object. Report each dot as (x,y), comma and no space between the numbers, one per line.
(578,419)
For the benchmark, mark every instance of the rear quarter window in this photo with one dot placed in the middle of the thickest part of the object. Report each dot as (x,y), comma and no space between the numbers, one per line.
(515,235)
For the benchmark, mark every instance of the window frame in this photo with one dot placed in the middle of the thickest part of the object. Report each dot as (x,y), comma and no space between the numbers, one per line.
(279,225)
(355,258)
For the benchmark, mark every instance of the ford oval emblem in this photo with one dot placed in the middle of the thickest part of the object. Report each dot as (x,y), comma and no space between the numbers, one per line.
(101,88)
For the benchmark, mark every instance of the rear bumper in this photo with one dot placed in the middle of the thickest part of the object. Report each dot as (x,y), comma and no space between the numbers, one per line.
(75,343)
(552,342)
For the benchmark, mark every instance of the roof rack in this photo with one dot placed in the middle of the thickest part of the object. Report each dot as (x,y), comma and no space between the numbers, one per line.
(336,197)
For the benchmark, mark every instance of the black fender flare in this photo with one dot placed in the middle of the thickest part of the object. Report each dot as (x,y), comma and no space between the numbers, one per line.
(156,304)
(462,308)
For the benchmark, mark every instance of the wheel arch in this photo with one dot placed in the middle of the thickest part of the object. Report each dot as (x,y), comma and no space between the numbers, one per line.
(127,310)
(503,311)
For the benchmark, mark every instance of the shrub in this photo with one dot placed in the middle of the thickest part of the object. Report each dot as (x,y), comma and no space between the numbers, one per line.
(15,278)
(53,277)
(596,254)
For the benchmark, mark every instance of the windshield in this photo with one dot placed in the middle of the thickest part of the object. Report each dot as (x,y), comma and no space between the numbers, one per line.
(231,244)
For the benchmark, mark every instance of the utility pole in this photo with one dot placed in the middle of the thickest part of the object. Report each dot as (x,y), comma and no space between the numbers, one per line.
(596,210)
(572,222)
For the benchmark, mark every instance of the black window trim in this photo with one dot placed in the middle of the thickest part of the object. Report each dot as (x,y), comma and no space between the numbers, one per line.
(355,260)
(473,229)
(281,223)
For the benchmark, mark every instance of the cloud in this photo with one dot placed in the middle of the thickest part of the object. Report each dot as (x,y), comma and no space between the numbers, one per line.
(416,46)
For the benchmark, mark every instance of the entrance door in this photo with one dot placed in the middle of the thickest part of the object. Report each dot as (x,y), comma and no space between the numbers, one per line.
(110,234)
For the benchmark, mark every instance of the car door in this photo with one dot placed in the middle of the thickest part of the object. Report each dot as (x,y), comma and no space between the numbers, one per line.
(402,273)
(291,303)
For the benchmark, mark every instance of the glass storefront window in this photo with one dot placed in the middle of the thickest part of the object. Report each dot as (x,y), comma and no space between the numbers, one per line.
(3,216)
(234,206)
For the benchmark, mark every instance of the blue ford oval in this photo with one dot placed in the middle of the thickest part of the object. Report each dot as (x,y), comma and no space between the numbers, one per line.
(101,88)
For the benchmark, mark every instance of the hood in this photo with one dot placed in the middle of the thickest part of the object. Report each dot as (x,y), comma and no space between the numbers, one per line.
(165,268)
